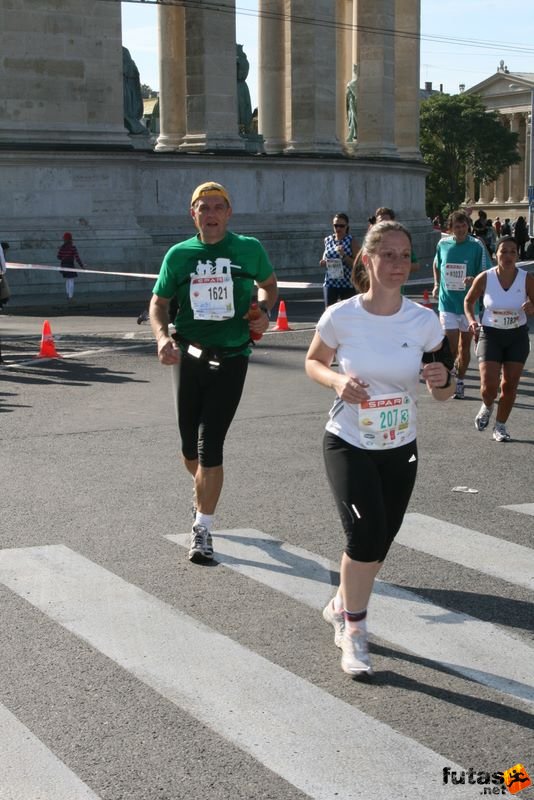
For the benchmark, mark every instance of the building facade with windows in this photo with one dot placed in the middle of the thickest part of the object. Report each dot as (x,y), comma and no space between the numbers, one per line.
(512,95)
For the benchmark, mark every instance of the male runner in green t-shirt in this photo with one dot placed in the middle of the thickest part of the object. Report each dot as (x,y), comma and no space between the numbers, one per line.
(212,276)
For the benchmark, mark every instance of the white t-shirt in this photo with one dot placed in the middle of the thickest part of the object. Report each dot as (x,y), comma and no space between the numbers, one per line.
(385,352)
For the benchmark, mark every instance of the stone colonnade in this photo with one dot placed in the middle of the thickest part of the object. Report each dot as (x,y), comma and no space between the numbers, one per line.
(512,186)
(307,49)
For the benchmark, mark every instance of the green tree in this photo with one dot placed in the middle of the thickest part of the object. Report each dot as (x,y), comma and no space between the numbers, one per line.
(459,135)
(147,92)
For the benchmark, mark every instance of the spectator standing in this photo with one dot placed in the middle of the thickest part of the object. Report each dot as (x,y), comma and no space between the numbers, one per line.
(506,227)
(338,257)
(5,292)
(521,237)
(67,255)
(491,238)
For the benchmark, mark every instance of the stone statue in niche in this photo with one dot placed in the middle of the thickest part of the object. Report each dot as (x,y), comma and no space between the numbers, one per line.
(244,106)
(351,96)
(133,102)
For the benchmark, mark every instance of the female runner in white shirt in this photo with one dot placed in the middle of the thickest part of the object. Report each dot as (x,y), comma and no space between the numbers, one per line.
(380,339)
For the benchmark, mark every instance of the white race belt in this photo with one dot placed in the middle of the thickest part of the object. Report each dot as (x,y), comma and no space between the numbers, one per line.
(385,421)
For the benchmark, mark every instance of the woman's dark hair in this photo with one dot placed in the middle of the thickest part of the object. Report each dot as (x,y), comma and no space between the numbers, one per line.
(345,219)
(504,239)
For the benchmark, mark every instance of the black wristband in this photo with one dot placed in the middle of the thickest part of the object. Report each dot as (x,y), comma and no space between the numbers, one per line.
(264,308)
(447,382)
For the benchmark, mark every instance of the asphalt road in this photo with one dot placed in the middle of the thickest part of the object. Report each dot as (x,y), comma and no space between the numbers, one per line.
(128,673)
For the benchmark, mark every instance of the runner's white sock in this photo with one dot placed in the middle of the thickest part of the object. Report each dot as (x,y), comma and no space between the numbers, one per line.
(204,519)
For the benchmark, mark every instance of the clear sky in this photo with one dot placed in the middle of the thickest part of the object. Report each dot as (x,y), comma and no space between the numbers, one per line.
(462,41)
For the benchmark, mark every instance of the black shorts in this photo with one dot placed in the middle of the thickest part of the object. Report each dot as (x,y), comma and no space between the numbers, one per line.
(502,346)
(333,294)
(372,489)
(207,400)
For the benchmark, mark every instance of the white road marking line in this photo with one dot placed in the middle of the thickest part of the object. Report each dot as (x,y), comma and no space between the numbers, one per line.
(35,361)
(478,650)
(30,771)
(505,560)
(522,508)
(294,728)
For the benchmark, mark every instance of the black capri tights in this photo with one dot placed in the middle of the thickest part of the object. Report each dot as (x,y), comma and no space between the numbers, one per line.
(206,404)
(372,489)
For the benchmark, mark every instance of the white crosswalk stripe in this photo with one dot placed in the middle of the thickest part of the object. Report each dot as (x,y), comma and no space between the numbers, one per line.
(522,508)
(30,771)
(268,712)
(458,641)
(468,548)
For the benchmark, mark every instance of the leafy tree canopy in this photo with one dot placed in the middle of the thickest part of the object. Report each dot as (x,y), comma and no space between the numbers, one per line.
(459,135)
(147,92)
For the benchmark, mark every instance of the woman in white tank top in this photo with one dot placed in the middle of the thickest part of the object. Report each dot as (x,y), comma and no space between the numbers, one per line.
(503,340)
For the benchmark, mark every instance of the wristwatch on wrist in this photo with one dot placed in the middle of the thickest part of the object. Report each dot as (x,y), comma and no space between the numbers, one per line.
(264,308)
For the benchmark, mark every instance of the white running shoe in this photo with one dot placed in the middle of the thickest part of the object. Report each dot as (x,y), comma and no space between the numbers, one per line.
(355,653)
(201,547)
(483,417)
(336,619)
(500,434)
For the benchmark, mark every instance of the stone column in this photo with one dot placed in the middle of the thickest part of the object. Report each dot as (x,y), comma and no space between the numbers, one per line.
(523,143)
(271,95)
(407,74)
(312,78)
(211,79)
(376,86)
(171,38)
(469,189)
(344,63)
(515,169)
(486,193)
(500,194)
(61,74)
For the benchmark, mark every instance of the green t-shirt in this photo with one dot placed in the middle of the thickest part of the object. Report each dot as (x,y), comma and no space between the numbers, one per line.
(469,254)
(249,263)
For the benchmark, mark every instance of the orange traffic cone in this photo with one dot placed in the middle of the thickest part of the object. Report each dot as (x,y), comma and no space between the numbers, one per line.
(426,300)
(281,320)
(48,348)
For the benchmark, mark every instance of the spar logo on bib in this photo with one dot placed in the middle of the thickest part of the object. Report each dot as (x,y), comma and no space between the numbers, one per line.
(387,403)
